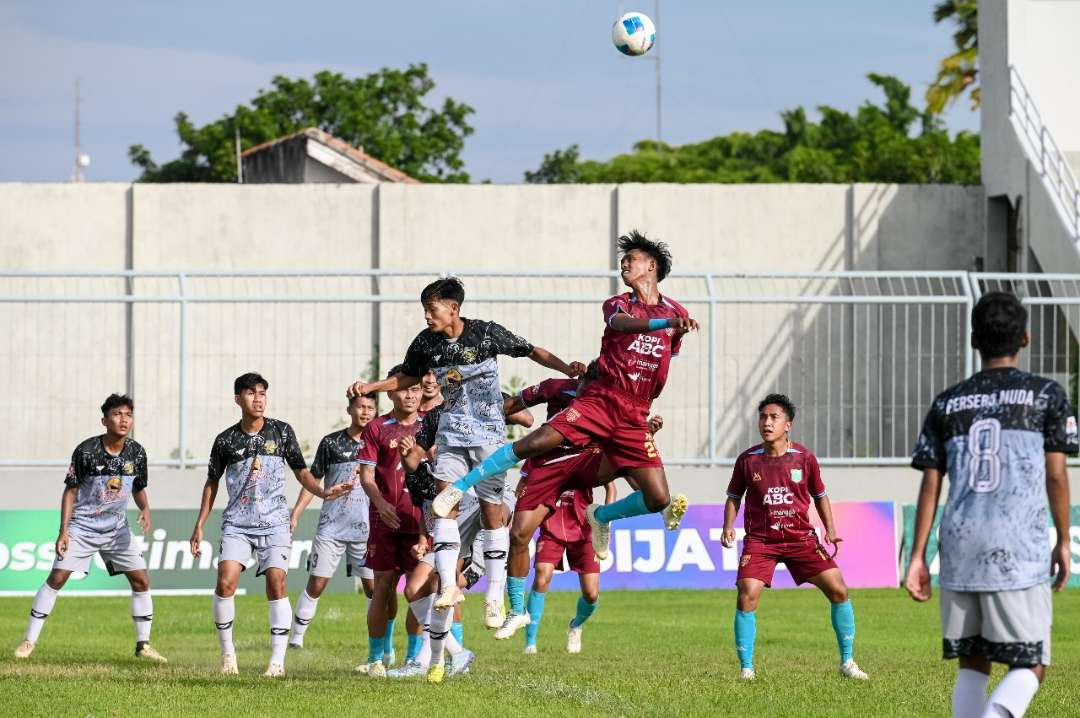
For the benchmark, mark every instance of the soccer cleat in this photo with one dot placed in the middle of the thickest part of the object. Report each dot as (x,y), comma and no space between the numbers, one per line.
(449,597)
(228,664)
(25,649)
(409,670)
(274,670)
(573,638)
(747,674)
(389,658)
(513,622)
(850,669)
(674,512)
(445,502)
(530,649)
(435,673)
(361,668)
(460,663)
(494,614)
(147,652)
(601,533)
(376,669)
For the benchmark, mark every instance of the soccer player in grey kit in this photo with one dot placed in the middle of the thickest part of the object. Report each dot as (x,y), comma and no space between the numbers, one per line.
(1001,436)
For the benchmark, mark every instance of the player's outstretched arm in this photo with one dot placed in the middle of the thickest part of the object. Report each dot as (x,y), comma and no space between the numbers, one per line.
(513,404)
(824,510)
(391,383)
(67,505)
(142,502)
(917,582)
(1057,490)
(544,358)
(310,483)
(731,510)
(640,325)
(209,493)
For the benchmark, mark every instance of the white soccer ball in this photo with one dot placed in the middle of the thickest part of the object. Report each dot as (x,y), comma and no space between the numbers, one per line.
(633,33)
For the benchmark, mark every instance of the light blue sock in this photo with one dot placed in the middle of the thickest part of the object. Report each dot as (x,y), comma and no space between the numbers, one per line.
(504,458)
(745,635)
(416,642)
(458,632)
(843,623)
(375,648)
(632,505)
(388,637)
(584,610)
(515,589)
(536,613)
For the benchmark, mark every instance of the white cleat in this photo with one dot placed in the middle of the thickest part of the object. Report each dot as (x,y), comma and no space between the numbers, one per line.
(24,649)
(274,670)
(228,664)
(530,650)
(513,623)
(148,653)
(409,670)
(361,668)
(747,674)
(494,614)
(573,638)
(449,597)
(460,663)
(675,511)
(850,669)
(601,533)
(376,670)
(445,502)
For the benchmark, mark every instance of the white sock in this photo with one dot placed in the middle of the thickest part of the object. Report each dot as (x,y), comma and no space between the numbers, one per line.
(447,549)
(496,545)
(280,613)
(452,645)
(421,609)
(224,614)
(44,600)
(1013,694)
(142,614)
(424,659)
(969,693)
(439,630)
(305,611)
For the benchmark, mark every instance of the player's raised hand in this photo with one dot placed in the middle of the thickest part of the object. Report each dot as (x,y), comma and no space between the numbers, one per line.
(62,544)
(727,538)
(337,491)
(196,541)
(918,580)
(656,423)
(833,540)
(144,520)
(356,389)
(576,369)
(683,324)
(1059,566)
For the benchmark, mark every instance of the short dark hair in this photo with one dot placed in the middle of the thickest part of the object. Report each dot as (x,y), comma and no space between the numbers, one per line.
(370,395)
(448,288)
(115,400)
(249,381)
(654,248)
(998,323)
(781,401)
(396,369)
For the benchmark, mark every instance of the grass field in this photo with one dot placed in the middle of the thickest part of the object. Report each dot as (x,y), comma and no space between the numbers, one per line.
(656,653)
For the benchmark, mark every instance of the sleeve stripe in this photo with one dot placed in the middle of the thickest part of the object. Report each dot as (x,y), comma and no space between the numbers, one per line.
(818,496)
(365,462)
(736,497)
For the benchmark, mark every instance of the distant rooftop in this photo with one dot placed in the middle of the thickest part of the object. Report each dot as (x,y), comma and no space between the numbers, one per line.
(312,155)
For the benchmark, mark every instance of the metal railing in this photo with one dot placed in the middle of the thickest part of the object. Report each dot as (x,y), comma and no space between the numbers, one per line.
(862,354)
(1041,148)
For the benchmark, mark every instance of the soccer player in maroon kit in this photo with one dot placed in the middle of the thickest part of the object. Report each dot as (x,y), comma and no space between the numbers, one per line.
(779,477)
(395,522)
(643,331)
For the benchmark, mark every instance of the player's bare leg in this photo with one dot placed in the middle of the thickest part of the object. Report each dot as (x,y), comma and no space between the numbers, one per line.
(586,606)
(831,583)
(652,496)
(746,623)
(277,595)
(521,532)
(225,612)
(142,615)
(44,600)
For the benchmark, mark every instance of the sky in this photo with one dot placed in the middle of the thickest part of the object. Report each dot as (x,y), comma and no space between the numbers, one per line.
(540,75)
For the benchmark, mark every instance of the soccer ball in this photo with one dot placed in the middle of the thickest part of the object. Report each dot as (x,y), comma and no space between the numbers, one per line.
(633,33)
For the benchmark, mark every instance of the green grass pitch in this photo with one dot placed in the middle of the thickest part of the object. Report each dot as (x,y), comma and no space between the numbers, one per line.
(659,653)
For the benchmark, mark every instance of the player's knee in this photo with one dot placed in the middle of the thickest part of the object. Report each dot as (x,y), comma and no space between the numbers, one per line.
(592,595)
(838,594)
(57,579)
(747,601)
(520,536)
(140,582)
(315,587)
(657,501)
(225,587)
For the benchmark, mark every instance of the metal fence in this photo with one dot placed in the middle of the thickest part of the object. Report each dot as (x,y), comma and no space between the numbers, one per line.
(861,354)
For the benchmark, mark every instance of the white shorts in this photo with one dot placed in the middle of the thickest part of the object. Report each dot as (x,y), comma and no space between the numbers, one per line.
(116,549)
(1010,627)
(453,462)
(271,550)
(326,553)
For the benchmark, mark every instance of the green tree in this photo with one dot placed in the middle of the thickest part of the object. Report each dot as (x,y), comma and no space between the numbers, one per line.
(384,112)
(890,142)
(959,71)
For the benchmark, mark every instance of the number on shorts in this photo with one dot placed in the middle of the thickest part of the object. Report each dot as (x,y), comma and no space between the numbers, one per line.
(984,467)
(650,449)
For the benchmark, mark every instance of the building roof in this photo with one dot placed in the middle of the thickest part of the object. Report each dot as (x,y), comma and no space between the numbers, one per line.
(372,166)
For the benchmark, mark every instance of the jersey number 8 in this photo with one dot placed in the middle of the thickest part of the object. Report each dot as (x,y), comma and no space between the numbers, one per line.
(984,468)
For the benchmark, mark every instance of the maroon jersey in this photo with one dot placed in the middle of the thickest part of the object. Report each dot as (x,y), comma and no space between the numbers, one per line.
(778,491)
(567,524)
(637,364)
(379,448)
(556,393)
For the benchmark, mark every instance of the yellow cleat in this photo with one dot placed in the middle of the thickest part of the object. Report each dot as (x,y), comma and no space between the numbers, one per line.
(675,511)
(376,669)
(436,672)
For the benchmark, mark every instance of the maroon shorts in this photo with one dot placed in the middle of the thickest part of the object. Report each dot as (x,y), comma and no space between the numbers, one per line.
(804,559)
(618,423)
(579,554)
(544,477)
(390,550)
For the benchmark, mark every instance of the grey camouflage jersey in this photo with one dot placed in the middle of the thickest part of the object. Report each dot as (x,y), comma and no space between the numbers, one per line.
(990,434)
(346,517)
(104,483)
(254,466)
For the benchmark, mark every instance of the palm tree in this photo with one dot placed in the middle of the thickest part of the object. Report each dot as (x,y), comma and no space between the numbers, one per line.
(958,72)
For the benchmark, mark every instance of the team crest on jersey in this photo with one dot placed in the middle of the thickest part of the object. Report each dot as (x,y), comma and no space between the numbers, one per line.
(796,475)
(114,484)
(745,559)
(453,377)
(572,415)
(71,471)
(393,443)
(757,476)
(270,446)
(129,467)
(469,355)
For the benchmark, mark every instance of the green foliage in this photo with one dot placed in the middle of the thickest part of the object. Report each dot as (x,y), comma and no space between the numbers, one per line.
(384,112)
(957,72)
(876,143)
